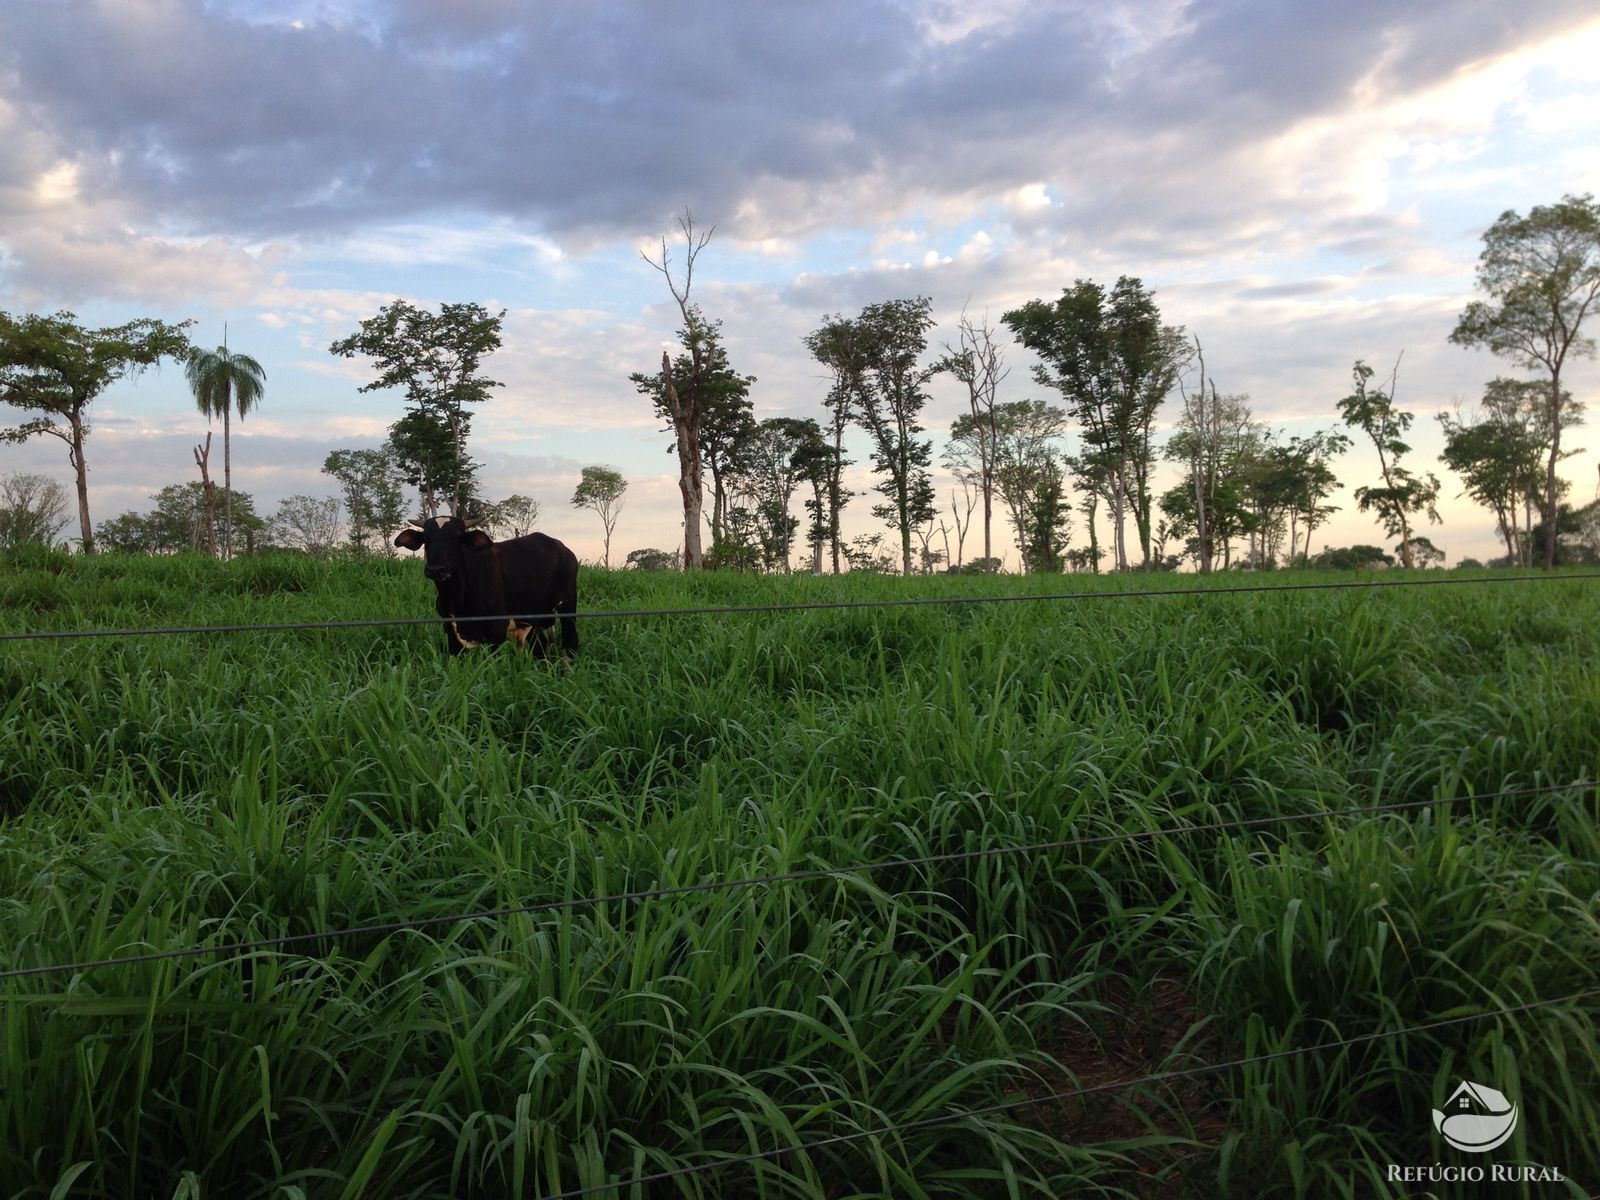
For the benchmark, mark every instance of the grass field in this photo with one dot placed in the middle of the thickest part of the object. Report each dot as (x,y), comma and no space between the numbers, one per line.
(158,793)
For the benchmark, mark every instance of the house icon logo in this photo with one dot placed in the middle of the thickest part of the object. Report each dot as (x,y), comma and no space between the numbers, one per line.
(1476,1118)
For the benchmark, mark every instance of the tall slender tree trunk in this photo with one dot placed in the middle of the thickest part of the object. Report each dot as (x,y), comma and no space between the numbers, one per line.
(1551,501)
(227,476)
(81,471)
(1094,533)
(835,490)
(988,549)
(202,458)
(904,501)
(986,451)
(816,540)
(691,481)
(1119,520)
(719,506)
(1525,542)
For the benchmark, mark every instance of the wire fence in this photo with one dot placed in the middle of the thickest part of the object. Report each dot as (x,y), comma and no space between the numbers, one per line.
(1119,1085)
(798,606)
(291,942)
(384,928)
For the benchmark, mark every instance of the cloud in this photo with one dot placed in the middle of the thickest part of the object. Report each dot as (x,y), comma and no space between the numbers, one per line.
(589,116)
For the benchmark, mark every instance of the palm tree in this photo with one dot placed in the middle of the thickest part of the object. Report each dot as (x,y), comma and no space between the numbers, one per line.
(223,383)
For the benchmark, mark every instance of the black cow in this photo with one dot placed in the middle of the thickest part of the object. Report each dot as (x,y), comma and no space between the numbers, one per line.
(477,576)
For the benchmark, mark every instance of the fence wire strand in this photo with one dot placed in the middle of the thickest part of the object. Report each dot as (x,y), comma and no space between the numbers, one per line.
(287,941)
(747,609)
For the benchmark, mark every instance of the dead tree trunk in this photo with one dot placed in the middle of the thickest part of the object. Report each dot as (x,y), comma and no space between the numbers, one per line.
(685,405)
(202,459)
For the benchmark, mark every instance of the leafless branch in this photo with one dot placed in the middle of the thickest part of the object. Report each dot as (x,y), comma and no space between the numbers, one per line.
(693,244)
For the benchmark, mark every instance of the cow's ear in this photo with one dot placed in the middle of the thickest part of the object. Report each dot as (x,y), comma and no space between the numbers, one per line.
(477,539)
(409,539)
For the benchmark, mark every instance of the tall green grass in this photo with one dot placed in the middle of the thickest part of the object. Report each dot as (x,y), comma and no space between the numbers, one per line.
(168,792)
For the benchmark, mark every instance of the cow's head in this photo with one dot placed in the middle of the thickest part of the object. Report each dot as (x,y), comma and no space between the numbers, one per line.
(444,541)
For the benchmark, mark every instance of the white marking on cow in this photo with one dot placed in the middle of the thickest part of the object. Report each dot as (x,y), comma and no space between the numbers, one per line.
(440,522)
(461,641)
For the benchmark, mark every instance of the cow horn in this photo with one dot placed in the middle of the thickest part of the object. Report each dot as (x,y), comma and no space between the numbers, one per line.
(419,523)
(469,522)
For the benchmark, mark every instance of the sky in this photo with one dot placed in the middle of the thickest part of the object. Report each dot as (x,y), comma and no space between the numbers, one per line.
(1300,186)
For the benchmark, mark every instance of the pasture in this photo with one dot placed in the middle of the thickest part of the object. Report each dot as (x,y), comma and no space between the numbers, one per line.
(160,793)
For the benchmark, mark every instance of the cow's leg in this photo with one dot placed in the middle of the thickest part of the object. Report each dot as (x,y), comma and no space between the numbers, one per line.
(569,625)
(452,643)
(542,637)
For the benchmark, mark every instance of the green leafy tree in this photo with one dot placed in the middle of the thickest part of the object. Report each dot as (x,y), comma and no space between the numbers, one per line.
(512,517)
(652,559)
(1575,529)
(1114,362)
(437,359)
(601,489)
(1499,456)
(307,523)
(1541,274)
(1089,474)
(374,499)
(773,461)
(977,363)
(1047,522)
(33,508)
(1372,411)
(838,345)
(1422,552)
(54,368)
(1352,558)
(181,521)
(688,392)
(1026,471)
(890,392)
(128,533)
(224,384)
(423,448)
(1272,482)
(816,461)
(1213,440)
(178,523)
(1313,482)
(712,397)
(867,555)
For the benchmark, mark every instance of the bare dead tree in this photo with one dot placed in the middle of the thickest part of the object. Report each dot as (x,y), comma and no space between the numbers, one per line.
(202,459)
(1202,416)
(685,404)
(961,513)
(927,555)
(976,361)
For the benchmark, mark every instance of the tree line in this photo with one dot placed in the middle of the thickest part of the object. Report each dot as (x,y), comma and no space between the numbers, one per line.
(1109,363)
